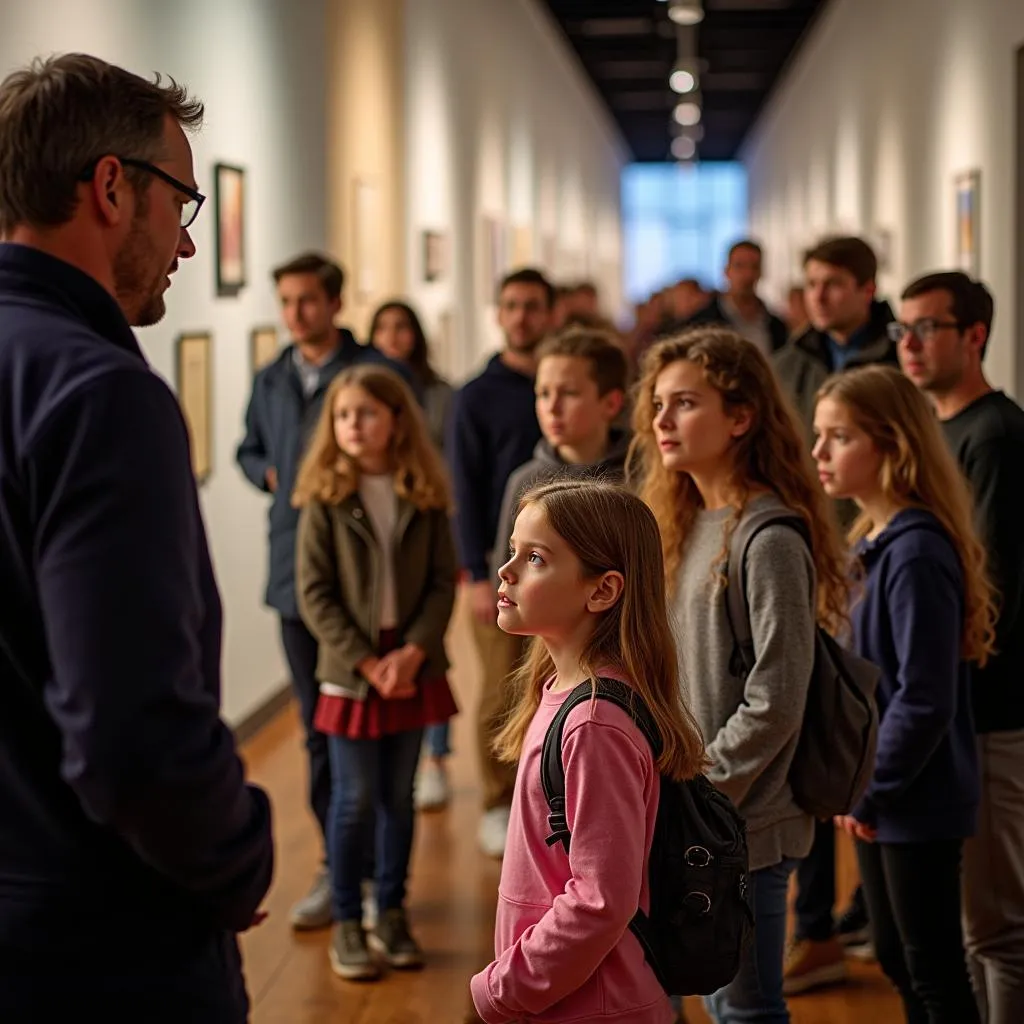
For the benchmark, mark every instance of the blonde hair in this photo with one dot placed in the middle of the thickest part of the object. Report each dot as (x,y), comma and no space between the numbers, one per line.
(328,475)
(772,455)
(611,530)
(919,471)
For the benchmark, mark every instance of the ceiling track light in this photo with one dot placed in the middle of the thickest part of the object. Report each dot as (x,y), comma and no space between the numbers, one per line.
(687,113)
(684,78)
(686,12)
(695,131)
(684,147)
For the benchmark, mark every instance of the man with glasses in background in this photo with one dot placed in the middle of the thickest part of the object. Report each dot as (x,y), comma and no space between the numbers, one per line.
(943,333)
(132,848)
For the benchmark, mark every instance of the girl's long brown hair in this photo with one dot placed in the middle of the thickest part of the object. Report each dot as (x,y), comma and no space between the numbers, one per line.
(772,455)
(611,530)
(328,475)
(919,471)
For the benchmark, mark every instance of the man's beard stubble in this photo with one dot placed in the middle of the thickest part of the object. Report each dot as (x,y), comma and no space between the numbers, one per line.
(136,285)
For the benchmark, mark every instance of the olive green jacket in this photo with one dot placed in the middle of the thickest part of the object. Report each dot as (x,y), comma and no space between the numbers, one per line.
(338,580)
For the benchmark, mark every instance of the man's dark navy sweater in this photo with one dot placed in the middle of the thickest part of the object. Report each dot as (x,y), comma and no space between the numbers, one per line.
(909,621)
(494,430)
(125,823)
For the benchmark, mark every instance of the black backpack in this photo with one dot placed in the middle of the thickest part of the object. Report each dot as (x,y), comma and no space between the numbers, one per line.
(700,917)
(835,754)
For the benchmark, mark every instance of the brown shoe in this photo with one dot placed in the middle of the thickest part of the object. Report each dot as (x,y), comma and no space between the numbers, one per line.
(811,965)
(350,958)
(391,939)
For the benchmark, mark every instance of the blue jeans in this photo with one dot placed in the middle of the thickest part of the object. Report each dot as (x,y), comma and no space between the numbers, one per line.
(437,740)
(371,778)
(755,994)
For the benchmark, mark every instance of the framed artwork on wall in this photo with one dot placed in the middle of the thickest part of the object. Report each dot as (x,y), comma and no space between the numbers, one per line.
(968,222)
(522,246)
(492,258)
(193,381)
(435,255)
(263,347)
(229,190)
(366,229)
(549,255)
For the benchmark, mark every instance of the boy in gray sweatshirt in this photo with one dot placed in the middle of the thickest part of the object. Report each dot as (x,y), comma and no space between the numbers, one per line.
(581,390)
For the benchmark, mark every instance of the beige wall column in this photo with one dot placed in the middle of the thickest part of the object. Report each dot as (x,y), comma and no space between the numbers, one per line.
(365,151)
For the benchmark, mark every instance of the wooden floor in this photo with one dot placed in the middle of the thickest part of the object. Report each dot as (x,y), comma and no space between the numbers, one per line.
(451,905)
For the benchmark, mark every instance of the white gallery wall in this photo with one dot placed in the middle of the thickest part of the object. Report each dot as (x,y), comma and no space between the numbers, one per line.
(885,104)
(510,158)
(259,65)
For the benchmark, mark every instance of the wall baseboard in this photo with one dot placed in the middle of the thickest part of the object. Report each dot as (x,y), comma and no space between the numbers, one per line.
(263,714)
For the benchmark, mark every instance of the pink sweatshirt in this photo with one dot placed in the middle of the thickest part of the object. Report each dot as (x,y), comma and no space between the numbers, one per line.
(562,939)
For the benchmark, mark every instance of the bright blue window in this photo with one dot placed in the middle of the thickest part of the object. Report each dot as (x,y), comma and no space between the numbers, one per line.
(679,221)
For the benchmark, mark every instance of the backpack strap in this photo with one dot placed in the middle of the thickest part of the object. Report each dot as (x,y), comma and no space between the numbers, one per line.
(552,771)
(736,608)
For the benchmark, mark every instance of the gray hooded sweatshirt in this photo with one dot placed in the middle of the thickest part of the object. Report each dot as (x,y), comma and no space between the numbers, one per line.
(545,467)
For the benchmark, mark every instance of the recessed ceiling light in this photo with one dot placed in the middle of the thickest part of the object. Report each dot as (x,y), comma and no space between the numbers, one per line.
(686,12)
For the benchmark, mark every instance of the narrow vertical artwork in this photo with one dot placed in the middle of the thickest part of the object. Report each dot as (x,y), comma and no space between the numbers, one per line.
(968,220)
(229,183)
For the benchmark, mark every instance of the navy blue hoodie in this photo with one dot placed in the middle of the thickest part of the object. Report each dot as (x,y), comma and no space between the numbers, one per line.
(125,821)
(909,621)
(494,430)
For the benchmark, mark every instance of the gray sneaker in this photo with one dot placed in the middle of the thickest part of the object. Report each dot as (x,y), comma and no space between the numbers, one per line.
(391,939)
(349,955)
(314,909)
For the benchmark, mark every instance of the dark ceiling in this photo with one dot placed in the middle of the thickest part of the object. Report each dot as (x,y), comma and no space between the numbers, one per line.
(629,47)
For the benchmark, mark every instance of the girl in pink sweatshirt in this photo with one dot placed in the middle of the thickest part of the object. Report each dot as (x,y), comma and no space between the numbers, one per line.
(586,579)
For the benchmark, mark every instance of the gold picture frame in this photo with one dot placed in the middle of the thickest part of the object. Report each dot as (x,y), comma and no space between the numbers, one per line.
(264,346)
(194,383)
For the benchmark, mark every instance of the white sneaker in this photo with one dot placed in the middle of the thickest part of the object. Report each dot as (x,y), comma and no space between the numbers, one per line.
(432,791)
(314,909)
(493,831)
(863,951)
(369,905)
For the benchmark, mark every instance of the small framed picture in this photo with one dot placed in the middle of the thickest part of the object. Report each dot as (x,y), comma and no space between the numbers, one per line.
(229,190)
(492,258)
(366,201)
(263,347)
(435,255)
(194,369)
(968,222)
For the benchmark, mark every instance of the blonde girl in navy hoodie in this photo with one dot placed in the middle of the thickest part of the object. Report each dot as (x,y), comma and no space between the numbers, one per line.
(924,611)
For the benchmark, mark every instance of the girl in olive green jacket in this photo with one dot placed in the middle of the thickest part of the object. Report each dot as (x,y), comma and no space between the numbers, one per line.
(376,584)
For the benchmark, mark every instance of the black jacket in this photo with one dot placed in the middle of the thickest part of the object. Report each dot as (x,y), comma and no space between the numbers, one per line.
(805,363)
(713,313)
(125,821)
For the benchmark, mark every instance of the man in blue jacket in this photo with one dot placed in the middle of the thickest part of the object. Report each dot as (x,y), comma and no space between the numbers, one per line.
(132,849)
(287,397)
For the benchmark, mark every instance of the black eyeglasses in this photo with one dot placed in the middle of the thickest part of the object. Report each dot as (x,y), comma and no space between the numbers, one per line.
(189,210)
(924,329)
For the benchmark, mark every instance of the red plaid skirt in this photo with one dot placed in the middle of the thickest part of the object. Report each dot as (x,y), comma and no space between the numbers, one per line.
(374,717)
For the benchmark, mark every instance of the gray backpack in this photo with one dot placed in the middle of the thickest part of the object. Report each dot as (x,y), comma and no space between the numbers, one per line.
(835,754)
